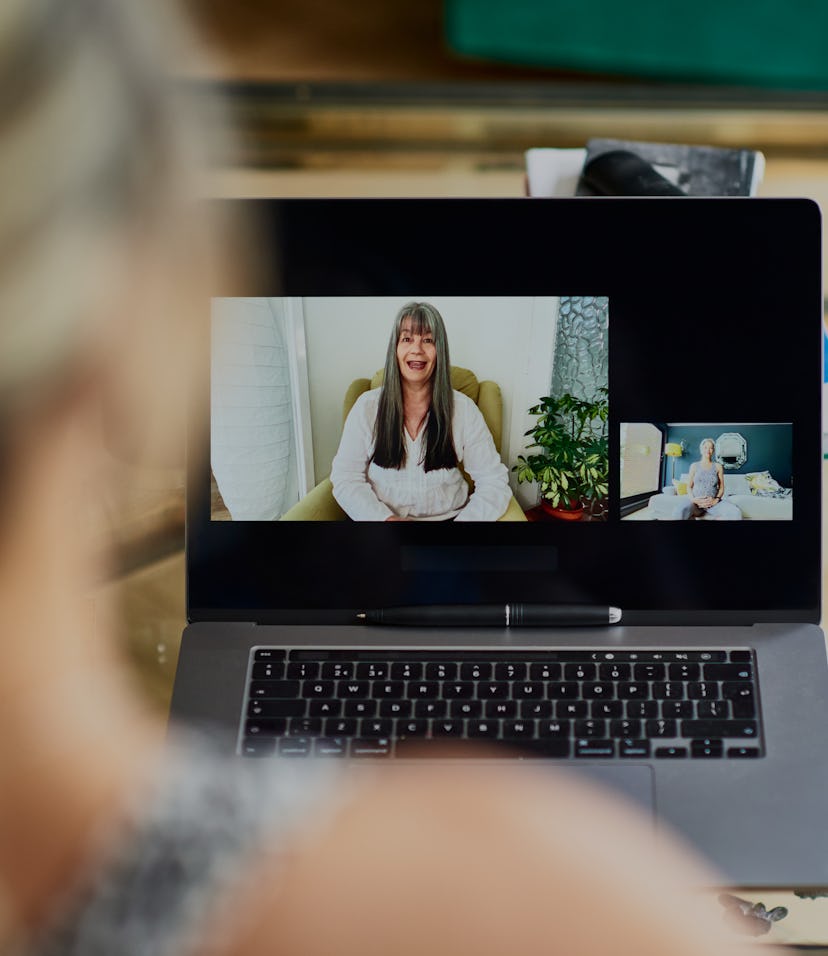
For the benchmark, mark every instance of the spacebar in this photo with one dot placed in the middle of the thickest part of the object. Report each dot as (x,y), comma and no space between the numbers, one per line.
(517,749)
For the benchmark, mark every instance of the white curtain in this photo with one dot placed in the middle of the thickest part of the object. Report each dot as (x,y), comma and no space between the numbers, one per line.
(252,433)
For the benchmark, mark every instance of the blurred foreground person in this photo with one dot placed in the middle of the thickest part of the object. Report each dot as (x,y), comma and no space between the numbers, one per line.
(112,841)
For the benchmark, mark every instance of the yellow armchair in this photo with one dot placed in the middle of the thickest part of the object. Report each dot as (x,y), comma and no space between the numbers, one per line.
(319,503)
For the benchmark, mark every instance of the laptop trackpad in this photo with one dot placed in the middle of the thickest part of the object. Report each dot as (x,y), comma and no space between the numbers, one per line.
(634,783)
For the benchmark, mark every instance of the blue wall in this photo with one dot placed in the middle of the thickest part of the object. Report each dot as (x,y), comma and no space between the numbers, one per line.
(769,448)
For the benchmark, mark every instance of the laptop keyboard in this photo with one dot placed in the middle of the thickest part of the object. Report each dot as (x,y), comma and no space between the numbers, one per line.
(588,704)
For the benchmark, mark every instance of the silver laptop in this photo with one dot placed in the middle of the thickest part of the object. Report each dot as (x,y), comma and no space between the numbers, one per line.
(613,570)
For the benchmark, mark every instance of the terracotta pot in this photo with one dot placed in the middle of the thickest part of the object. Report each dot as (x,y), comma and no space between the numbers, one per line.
(563,514)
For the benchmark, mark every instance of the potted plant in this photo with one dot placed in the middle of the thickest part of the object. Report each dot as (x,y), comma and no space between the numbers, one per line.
(572,468)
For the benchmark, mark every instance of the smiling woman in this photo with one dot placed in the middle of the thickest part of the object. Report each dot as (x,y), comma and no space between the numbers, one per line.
(403,443)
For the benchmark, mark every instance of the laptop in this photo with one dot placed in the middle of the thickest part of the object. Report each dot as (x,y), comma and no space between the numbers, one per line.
(660,632)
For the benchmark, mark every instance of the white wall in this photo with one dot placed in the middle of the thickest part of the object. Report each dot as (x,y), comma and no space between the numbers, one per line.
(508,340)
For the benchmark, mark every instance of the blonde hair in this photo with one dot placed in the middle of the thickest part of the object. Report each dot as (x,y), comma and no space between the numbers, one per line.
(95,157)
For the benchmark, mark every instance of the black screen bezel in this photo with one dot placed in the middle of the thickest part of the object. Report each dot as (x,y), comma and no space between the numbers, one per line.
(728,289)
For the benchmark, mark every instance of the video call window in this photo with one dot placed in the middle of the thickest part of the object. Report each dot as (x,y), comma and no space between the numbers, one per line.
(706,471)
(408,408)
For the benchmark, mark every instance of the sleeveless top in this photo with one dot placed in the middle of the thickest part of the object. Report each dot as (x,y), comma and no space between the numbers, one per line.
(705,482)
(164,881)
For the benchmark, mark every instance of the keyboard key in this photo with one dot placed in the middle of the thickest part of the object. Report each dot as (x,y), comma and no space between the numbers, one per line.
(719,728)
(580,672)
(728,672)
(669,690)
(337,670)
(705,690)
(373,670)
(294,746)
(635,690)
(706,748)
(743,751)
(341,727)
(671,752)
(385,690)
(269,654)
(544,672)
(424,690)
(614,672)
(475,671)
(740,657)
(504,708)
(277,708)
(742,708)
(430,708)
(325,708)
(519,728)
(371,747)
(642,708)
(412,728)
(441,671)
(318,688)
(514,670)
(646,672)
(274,688)
(407,671)
(330,747)
(306,670)
(265,728)
(590,728)
(572,709)
(563,691)
(535,708)
(466,708)
(353,689)
(718,709)
(684,672)
(360,708)
(737,690)
(271,670)
(483,728)
(395,708)
(553,728)
(660,728)
(258,746)
(629,747)
(594,748)
(606,708)
(625,728)
(681,709)
(493,690)
(447,728)
(305,726)
(532,690)
(456,690)
(376,727)
(601,690)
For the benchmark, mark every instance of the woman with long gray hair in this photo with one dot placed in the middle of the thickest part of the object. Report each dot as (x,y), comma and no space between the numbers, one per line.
(403,444)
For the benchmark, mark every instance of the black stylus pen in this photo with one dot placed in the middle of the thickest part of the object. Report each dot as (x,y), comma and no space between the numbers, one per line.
(495,615)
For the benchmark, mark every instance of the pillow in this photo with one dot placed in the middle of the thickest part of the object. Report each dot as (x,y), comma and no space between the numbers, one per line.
(682,483)
(736,485)
(761,481)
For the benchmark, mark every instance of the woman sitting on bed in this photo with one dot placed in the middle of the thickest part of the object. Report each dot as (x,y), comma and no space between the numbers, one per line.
(402,445)
(706,487)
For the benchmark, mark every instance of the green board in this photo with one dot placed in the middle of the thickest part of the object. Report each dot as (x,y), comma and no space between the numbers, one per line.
(772,44)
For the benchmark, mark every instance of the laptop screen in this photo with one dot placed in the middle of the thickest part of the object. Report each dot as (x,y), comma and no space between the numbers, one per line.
(480,401)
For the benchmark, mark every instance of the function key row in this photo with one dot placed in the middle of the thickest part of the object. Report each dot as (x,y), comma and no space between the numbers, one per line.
(585,655)
(502,671)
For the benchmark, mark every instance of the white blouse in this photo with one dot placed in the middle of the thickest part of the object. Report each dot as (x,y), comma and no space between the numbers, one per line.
(367,492)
